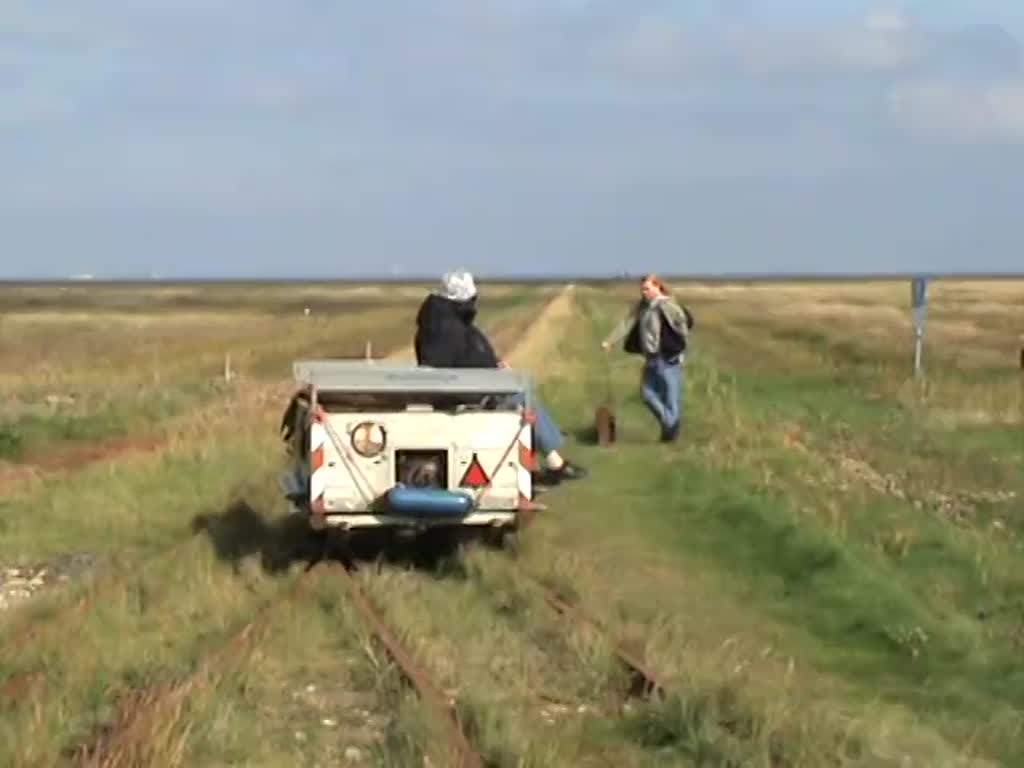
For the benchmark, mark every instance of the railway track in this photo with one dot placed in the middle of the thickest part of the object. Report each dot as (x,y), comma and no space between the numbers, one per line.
(120,743)
(139,713)
(18,684)
(414,674)
(123,742)
(644,682)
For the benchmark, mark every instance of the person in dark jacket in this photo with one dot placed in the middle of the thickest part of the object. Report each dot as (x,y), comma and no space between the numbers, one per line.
(446,337)
(445,334)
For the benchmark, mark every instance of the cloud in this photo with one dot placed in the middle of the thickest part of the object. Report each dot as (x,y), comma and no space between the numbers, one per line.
(887,21)
(964,113)
(24,107)
(879,42)
(968,88)
(650,46)
(978,52)
(486,129)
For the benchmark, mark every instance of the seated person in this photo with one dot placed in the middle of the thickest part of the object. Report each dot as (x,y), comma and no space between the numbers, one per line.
(447,338)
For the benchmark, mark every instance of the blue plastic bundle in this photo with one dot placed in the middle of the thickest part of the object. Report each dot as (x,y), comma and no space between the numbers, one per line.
(428,502)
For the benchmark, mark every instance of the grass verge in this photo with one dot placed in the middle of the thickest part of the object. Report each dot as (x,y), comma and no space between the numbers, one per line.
(738,554)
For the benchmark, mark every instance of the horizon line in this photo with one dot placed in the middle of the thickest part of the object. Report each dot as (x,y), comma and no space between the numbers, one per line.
(697,277)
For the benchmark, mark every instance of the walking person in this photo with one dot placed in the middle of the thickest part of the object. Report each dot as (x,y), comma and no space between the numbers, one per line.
(447,337)
(657,328)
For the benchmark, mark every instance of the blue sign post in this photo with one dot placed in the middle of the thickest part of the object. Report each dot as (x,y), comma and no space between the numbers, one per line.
(919,302)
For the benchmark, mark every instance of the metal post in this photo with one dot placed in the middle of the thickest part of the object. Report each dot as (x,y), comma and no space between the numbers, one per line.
(919,302)
(918,337)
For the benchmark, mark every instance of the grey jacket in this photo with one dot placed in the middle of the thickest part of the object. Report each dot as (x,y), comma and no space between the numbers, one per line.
(648,315)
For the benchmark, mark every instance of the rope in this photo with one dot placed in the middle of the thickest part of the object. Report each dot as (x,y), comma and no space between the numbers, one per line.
(350,463)
(527,418)
(609,389)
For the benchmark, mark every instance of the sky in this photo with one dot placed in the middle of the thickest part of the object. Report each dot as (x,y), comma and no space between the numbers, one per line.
(325,138)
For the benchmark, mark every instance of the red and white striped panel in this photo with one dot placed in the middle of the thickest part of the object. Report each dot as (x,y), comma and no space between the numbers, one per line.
(317,475)
(526,463)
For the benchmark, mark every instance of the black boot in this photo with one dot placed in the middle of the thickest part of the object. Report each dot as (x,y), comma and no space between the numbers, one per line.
(568,471)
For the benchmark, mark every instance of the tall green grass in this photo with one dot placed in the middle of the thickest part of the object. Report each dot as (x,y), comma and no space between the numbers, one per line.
(927,624)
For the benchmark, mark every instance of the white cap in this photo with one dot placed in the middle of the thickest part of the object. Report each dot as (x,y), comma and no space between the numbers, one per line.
(458,286)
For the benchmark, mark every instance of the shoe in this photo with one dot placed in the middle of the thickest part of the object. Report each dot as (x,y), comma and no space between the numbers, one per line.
(568,471)
(670,434)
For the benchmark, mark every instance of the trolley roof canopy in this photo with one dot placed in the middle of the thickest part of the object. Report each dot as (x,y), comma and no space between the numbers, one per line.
(378,376)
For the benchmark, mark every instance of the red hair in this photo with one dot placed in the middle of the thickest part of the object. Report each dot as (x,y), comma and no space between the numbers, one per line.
(656,281)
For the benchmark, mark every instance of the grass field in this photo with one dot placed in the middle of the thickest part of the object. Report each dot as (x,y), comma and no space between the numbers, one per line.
(828,567)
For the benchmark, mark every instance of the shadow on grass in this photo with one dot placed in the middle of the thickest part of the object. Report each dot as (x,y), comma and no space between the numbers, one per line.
(586,435)
(640,433)
(240,531)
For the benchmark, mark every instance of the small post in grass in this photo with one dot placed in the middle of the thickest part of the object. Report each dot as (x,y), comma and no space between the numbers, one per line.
(228,375)
(605,422)
(604,417)
(369,350)
(919,302)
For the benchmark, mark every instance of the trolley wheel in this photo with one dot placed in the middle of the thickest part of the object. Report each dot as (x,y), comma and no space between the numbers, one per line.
(441,540)
(504,537)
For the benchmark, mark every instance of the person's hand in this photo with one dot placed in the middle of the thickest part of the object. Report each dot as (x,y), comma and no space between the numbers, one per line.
(605,346)
(502,364)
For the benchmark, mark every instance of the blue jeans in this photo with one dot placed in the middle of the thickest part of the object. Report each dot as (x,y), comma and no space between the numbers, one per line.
(546,434)
(662,391)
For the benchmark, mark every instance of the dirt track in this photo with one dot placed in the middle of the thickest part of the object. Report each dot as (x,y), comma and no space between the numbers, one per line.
(535,344)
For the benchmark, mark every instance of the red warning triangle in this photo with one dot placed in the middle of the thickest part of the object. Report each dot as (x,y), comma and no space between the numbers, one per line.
(475,476)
